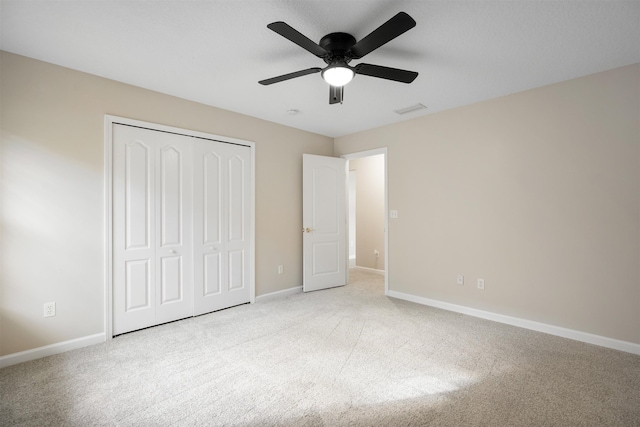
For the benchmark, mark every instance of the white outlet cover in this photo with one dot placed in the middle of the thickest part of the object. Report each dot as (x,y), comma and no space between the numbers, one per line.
(394,214)
(460,279)
(480,283)
(49,309)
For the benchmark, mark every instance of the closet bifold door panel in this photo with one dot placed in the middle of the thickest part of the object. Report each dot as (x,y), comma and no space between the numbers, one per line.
(222,203)
(152,228)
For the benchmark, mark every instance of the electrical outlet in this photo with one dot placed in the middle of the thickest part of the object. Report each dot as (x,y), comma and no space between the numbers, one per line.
(460,280)
(376,253)
(280,269)
(481,284)
(49,309)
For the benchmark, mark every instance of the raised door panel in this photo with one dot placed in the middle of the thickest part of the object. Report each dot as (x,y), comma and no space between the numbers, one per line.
(171,280)
(235,191)
(325,219)
(137,285)
(325,258)
(211,275)
(137,189)
(171,196)
(211,197)
(325,248)
(236,270)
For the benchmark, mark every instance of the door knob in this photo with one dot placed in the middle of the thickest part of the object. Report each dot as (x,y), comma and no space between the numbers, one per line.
(308,230)
(173,251)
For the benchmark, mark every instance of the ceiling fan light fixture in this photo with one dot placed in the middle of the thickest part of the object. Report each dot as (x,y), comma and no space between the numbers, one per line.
(338,49)
(338,75)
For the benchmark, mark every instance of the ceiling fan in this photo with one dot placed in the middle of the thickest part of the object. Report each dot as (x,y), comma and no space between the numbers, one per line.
(338,49)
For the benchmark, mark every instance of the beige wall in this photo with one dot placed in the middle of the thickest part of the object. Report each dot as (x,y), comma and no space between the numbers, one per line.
(369,210)
(52,235)
(538,193)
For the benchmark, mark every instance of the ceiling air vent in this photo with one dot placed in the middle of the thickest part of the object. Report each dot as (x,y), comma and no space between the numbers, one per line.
(410,109)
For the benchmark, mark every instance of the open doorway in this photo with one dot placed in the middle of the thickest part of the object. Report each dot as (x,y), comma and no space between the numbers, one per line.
(368,240)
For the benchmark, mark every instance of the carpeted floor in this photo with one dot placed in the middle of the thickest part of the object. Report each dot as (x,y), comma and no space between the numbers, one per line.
(346,356)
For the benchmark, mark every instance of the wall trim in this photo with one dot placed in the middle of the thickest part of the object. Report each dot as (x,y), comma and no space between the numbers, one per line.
(559,331)
(628,347)
(279,294)
(51,349)
(369,270)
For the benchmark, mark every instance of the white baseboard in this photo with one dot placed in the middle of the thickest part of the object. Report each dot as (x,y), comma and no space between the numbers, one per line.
(279,294)
(370,270)
(629,347)
(48,350)
(615,344)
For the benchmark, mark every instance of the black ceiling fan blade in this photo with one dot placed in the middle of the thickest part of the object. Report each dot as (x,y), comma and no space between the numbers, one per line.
(386,32)
(336,94)
(288,32)
(290,76)
(388,73)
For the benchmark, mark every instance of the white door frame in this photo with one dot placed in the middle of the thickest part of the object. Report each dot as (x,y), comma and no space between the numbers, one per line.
(368,153)
(109,121)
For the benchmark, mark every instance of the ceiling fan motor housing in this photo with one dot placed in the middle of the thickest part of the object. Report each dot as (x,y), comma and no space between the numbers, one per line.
(339,46)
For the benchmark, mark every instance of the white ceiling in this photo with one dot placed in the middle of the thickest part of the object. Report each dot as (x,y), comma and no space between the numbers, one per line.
(215,52)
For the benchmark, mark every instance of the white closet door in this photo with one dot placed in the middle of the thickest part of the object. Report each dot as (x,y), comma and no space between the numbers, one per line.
(222,206)
(152,228)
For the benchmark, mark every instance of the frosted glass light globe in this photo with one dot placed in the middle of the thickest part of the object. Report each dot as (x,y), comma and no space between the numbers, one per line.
(338,76)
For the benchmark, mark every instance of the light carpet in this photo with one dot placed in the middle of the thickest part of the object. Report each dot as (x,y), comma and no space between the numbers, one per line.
(346,356)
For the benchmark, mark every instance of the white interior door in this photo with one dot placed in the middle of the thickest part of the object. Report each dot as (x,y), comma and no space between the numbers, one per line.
(324,222)
(152,229)
(222,175)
